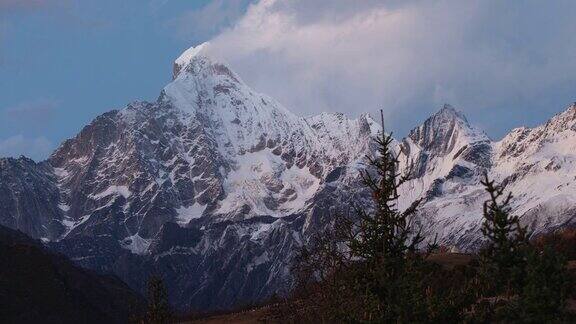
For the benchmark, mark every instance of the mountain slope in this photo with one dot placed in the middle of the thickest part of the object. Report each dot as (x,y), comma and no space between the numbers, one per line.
(40,286)
(535,164)
(539,165)
(216,186)
(29,198)
(210,145)
(213,179)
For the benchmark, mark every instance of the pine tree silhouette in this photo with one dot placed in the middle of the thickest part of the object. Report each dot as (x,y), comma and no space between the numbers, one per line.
(158,311)
(504,256)
(525,284)
(386,269)
(384,233)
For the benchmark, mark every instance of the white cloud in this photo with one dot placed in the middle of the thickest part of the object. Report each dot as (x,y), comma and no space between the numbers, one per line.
(208,20)
(35,148)
(406,57)
(30,112)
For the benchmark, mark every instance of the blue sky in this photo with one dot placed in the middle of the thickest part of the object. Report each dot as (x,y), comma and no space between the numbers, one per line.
(504,63)
(62,63)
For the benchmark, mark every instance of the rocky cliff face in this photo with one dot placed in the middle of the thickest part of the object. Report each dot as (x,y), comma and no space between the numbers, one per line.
(215,186)
(29,198)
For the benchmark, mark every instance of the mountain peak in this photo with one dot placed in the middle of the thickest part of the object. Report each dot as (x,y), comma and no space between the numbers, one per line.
(190,53)
(445,130)
(187,56)
(446,116)
(448,107)
(452,113)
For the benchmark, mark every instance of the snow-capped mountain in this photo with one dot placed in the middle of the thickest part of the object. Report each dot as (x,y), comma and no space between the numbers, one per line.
(215,186)
(535,164)
(210,149)
(539,165)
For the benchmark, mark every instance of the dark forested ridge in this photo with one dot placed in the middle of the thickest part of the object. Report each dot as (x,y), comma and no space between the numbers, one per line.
(39,286)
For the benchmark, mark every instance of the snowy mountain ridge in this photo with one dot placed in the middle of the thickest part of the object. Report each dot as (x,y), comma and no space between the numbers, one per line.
(536,164)
(216,186)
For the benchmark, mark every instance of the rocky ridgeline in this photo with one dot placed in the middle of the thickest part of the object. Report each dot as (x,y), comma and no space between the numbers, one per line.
(215,186)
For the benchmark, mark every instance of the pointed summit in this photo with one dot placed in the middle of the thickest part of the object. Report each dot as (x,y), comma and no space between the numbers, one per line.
(239,118)
(190,53)
(448,111)
(445,130)
(187,56)
(448,107)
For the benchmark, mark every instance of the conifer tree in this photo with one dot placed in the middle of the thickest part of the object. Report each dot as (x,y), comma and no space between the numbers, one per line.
(384,233)
(505,255)
(158,311)
(528,285)
(370,268)
(386,270)
(543,297)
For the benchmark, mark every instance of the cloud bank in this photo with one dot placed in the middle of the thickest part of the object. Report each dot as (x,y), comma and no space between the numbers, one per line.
(29,120)
(37,148)
(490,58)
(27,113)
(208,20)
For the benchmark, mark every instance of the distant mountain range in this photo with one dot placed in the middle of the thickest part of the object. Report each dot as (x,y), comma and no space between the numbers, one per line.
(215,186)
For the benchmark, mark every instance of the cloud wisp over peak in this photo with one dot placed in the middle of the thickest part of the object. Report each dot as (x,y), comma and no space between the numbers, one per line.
(503,63)
(408,57)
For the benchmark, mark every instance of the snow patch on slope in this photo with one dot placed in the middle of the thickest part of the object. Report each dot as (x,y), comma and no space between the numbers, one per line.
(70,224)
(186,214)
(63,207)
(113,190)
(263,175)
(136,244)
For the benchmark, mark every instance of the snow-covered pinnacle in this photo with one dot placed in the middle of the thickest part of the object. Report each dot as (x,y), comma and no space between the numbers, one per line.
(187,56)
(446,129)
(234,115)
(269,161)
(450,112)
